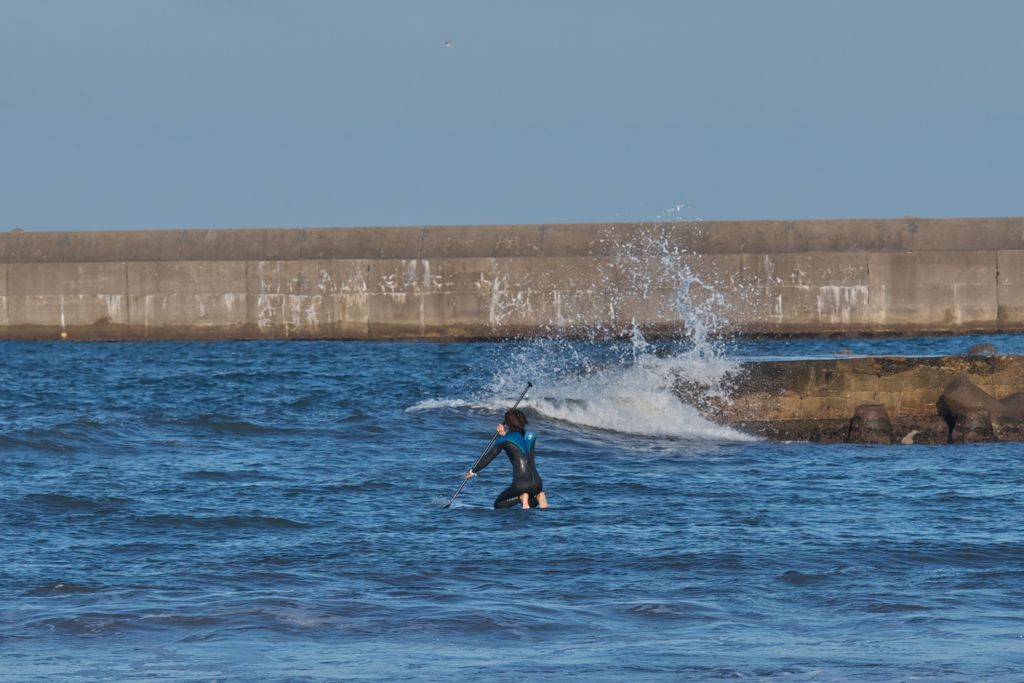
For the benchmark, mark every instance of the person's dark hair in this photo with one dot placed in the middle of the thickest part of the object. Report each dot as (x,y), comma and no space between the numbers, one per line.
(516,421)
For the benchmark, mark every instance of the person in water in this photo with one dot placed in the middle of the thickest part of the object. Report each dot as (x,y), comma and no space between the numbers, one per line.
(527,489)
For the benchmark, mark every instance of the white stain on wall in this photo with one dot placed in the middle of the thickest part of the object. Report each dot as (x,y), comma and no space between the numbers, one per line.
(841,303)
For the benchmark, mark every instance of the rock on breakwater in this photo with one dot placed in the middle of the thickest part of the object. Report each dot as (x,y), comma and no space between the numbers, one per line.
(815,400)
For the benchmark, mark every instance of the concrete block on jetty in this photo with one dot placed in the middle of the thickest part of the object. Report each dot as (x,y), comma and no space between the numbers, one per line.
(870,424)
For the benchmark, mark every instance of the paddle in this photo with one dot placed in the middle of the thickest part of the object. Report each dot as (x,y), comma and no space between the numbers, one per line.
(488,447)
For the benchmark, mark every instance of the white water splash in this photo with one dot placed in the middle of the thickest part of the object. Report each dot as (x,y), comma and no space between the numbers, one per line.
(630,397)
(443,403)
(628,386)
(625,388)
(652,263)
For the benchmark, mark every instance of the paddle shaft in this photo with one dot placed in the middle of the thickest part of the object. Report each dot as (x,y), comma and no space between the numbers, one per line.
(488,447)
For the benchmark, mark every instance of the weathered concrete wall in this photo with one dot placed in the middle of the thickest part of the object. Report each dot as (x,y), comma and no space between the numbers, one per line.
(805,277)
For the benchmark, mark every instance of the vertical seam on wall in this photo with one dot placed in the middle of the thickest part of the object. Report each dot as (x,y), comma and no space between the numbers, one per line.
(869,313)
(127,299)
(999,323)
(744,317)
(245,290)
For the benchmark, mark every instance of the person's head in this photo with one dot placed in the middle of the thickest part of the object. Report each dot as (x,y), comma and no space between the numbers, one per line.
(515,420)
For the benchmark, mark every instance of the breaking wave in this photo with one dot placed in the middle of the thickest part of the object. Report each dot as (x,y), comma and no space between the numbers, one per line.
(626,386)
(631,397)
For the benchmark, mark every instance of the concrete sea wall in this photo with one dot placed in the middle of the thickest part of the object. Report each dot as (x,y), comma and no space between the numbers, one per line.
(804,277)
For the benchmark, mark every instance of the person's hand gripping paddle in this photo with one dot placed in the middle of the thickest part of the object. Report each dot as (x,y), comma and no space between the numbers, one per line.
(498,432)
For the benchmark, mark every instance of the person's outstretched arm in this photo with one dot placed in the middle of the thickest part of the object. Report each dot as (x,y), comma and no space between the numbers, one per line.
(487,457)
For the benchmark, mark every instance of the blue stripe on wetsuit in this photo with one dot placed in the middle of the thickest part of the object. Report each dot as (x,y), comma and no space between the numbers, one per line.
(522,443)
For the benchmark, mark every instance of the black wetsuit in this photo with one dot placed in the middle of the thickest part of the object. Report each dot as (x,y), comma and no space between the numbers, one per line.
(525,479)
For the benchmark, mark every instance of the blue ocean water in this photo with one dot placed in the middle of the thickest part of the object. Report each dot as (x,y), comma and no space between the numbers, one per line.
(271,511)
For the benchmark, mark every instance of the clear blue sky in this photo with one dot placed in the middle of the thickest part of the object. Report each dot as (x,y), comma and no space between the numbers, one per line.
(224,113)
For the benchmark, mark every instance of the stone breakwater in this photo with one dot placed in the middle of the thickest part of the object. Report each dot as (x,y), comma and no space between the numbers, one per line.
(881,399)
(764,277)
